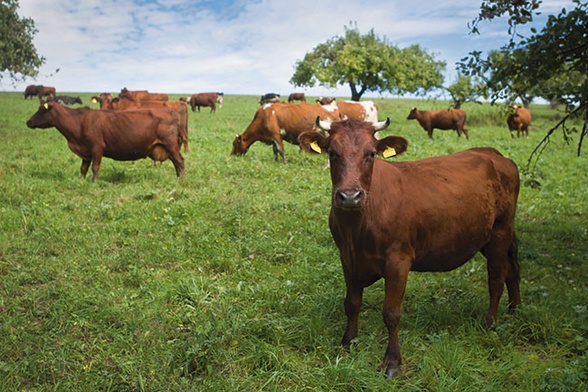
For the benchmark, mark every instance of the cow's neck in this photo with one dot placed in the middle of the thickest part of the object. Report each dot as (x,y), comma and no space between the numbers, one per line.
(69,122)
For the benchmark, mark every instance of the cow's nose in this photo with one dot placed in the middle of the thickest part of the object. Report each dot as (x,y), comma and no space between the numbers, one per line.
(349,198)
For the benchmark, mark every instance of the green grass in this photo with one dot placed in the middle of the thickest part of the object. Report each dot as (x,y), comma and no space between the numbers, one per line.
(228,279)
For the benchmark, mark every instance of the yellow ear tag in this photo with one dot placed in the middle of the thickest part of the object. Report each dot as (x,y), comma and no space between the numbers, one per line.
(389,152)
(46,105)
(315,147)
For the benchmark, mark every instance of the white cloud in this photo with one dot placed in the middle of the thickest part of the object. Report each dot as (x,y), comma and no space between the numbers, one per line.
(235,46)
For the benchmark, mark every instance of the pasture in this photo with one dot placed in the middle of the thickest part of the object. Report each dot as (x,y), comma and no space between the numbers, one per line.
(228,280)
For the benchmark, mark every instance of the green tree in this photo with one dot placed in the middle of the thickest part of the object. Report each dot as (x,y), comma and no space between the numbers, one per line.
(556,54)
(18,56)
(368,63)
(466,89)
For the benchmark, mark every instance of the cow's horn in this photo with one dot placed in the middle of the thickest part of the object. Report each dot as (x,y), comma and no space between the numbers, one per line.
(324,125)
(379,126)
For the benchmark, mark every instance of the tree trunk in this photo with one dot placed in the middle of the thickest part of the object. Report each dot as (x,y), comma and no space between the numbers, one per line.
(356,95)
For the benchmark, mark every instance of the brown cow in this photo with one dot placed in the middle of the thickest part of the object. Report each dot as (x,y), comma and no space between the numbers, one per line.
(296,97)
(39,90)
(180,107)
(435,214)
(354,110)
(324,100)
(123,136)
(142,95)
(31,90)
(440,119)
(519,120)
(103,99)
(206,100)
(275,122)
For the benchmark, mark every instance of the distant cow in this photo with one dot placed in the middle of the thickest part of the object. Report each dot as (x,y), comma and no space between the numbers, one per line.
(269,98)
(324,100)
(440,119)
(296,97)
(276,122)
(103,99)
(120,135)
(355,110)
(142,95)
(519,119)
(435,214)
(39,90)
(66,100)
(206,100)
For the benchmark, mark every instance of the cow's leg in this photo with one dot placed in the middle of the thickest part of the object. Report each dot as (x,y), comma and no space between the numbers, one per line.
(395,285)
(513,276)
(177,160)
(96,161)
(466,133)
(278,147)
(430,133)
(501,265)
(352,306)
(85,167)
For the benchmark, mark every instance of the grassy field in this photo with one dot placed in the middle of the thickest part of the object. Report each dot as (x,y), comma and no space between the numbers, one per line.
(228,279)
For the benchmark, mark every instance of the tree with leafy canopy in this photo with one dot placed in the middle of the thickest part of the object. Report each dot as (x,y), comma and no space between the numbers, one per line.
(554,60)
(466,89)
(368,63)
(18,56)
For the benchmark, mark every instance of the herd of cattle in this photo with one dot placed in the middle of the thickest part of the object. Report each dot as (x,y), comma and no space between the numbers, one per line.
(386,218)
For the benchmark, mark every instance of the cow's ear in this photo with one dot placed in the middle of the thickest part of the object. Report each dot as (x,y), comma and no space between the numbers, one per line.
(391,146)
(313,142)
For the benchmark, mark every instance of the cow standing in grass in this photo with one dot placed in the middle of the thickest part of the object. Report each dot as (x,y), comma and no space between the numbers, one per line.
(435,214)
(120,135)
(519,120)
(441,119)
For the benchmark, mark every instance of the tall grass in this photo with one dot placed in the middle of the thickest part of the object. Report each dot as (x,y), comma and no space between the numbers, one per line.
(227,279)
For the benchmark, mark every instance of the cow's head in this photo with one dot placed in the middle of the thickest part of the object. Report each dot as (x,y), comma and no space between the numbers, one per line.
(352,148)
(239,146)
(413,114)
(44,117)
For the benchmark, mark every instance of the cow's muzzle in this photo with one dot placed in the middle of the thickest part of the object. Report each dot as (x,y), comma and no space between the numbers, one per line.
(349,199)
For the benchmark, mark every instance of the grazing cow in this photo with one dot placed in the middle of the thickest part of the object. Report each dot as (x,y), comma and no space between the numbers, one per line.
(354,110)
(205,100)
(324,100)
(440,119)
(120,135)
(274,123)
(142,95)
(31,90)
(519,119)
(434,214)
(269,98)
(178,106)
(103,99)
(39,90)
(66,100)
(296,97)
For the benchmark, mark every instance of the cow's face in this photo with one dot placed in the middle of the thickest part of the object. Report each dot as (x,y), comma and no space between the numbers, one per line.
(44,117)
(352,149)
(412,115)
(239,146)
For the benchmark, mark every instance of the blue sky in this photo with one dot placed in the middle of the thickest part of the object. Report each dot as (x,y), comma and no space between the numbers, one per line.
(233,46)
